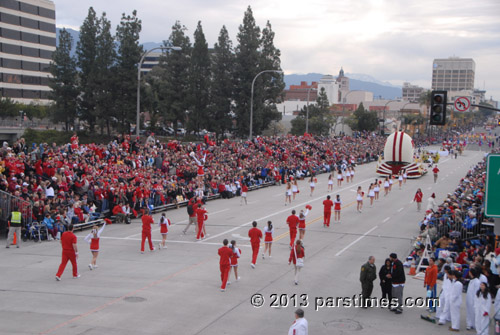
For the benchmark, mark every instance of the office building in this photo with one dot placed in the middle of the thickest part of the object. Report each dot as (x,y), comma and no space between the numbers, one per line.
(27,41)
(411,92)
(150,61)
(453,74)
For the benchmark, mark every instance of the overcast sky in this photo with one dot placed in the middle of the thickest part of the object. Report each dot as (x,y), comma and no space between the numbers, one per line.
(391,40)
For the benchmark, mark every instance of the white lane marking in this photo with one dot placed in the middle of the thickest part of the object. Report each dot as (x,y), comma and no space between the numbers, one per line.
(252,202)
(279,194)
(429,188)
(169,241)
(353,190)
(355,241)
(239,237)
(173,224)
(276,213)
(399,210)
(386,219)
(212,213)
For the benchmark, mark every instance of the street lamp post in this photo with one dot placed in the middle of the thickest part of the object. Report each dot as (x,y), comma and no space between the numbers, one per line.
(251,99)
(382,131)
(307,108)
(139,66)
(401,110)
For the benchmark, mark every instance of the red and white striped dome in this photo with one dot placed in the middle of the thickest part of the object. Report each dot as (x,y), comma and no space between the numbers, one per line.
(398,148)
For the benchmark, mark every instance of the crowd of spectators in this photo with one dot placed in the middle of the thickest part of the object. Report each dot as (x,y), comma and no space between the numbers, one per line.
(459,232)
(77,183)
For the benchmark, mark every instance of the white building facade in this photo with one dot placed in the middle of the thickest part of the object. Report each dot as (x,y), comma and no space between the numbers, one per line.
(27,41)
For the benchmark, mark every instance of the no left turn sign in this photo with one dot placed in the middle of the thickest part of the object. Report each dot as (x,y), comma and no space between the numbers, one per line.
(462,104)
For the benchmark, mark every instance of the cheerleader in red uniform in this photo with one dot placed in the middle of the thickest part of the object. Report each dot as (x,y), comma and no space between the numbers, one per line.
(244,190)
(164,223)
(302,221)
(234,259)
(297,255)
(200,164)
(337,205)
(268,239)
(93,240)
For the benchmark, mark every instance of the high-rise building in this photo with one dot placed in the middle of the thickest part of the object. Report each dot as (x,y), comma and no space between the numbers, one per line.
(453,74)
(150,61)
(27,41)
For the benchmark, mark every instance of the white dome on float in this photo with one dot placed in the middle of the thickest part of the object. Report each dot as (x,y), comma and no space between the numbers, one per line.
(398,148)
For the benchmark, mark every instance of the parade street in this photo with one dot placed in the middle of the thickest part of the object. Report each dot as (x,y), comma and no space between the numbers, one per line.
(177,290)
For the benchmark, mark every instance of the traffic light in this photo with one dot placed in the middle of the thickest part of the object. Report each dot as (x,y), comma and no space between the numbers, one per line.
(438,108)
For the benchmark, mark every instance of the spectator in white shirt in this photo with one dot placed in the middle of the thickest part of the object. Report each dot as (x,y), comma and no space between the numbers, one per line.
(300,326)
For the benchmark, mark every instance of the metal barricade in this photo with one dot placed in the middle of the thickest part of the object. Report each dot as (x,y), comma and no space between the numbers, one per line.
(9,202)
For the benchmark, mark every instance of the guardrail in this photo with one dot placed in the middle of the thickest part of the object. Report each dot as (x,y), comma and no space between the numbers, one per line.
(159,209)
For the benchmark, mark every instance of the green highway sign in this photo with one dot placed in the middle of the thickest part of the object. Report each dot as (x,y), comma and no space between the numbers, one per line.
(492,203)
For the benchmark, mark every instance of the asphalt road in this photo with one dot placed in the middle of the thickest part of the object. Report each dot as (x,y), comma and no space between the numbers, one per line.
(176,291)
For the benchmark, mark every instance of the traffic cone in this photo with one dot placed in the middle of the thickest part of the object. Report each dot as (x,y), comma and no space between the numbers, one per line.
(14,240)
(413,271)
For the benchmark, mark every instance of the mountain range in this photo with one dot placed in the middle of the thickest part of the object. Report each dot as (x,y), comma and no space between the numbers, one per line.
(357,81)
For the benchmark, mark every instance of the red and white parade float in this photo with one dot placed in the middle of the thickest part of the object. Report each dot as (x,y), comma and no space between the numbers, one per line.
(398,156)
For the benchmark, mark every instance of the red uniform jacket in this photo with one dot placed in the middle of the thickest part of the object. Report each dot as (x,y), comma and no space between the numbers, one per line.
(67,241)
(200,212)
(328,205)
(255,235)
(147,220)
(292,221)
(225,254)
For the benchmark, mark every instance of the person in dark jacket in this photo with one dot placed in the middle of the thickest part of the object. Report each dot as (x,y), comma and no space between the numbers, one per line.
(385,280)
(398,282)
(367,275)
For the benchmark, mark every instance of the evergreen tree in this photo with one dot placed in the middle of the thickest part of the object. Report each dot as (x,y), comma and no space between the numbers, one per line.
(64,82)
(129,54)
(173,84)
(199,82)
(320,117)
(86,51)
(104,81)
(222,85)
(363,120)
(247,66)
(272,83)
